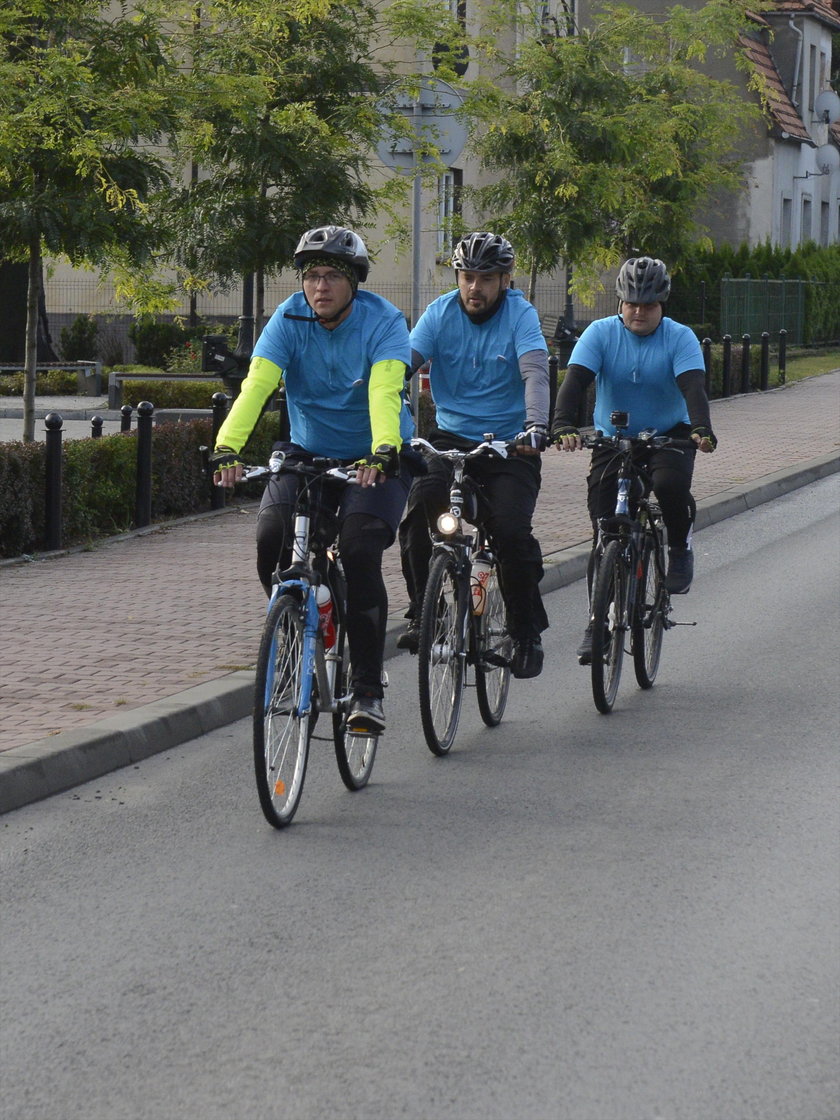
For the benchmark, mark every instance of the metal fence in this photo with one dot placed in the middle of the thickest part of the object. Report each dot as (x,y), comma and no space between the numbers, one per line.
(753,306)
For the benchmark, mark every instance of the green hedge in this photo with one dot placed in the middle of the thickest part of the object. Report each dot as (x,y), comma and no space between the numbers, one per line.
(55,382)
(171,394)
(820,264)
(99,482)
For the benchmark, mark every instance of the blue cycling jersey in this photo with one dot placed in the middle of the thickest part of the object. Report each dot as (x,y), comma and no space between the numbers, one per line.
(474,377)
(637,373)
(327,372)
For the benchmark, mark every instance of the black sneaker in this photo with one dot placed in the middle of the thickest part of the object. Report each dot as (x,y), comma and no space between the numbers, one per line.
(367,716)
(410,637)
(584,650)
(527,658)
(680,570)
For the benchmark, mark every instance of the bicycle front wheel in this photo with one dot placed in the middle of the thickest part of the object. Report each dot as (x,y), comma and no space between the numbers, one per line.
(492,649)
(648,618)
(281,733)
(609,600)
(354,754)
(441,653)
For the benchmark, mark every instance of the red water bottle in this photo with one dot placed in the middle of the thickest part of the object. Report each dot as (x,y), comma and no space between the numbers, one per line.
(325,614)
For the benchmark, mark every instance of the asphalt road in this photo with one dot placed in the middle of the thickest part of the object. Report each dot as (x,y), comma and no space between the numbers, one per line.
(572,917)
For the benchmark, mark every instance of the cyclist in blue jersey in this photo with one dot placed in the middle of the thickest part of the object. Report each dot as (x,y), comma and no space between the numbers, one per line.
(488,374)
(651,367)
(342,355)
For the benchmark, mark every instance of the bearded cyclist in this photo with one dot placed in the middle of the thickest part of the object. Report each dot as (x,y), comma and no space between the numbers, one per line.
(651,367)
(341,353)
(488,373)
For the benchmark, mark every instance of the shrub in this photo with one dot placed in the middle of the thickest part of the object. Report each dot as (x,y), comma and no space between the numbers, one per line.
(171,394)
(153,340)
(78,341)
(55,382)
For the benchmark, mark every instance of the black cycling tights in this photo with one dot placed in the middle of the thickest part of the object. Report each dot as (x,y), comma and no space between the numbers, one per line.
(362,542)
(670,472)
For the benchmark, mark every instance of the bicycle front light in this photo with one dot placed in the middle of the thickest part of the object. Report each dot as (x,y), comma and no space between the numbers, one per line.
(448,524)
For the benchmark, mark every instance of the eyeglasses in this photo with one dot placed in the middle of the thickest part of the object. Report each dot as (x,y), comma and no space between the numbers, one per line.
(331,278)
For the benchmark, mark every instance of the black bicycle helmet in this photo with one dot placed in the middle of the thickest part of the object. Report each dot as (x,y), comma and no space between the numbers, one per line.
(483,252)
(643,280)
(334,241)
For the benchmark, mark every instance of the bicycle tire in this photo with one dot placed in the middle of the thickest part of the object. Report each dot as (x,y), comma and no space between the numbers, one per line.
(609,600)
(648,616)
(355,754)
(281,734)
(492,653)
(441,653)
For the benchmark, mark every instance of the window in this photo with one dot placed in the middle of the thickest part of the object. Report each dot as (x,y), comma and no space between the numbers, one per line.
(805,233)
(449,207)
(787,223)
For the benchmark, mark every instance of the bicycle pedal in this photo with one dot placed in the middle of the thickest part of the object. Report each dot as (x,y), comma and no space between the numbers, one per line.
(497,660)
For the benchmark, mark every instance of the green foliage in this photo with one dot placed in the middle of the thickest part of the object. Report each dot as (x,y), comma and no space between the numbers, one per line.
(78,341)
(605,141)
(154,339)
(171,394)
(703,269)
(49,382)
(99,482)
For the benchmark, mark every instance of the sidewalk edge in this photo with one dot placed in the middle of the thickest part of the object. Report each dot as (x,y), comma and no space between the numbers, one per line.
(60,762)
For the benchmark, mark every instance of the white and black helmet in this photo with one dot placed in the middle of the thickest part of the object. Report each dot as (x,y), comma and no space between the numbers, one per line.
(643,280)
(483,252)
(336,242)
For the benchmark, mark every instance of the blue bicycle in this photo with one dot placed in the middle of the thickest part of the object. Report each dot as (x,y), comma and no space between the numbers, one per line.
(303,668)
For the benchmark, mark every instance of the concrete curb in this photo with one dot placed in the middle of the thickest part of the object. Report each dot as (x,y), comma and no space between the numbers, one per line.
(62,761)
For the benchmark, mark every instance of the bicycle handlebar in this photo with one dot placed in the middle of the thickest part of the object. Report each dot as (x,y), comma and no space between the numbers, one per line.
(318,468)
(489,446)
(643,439)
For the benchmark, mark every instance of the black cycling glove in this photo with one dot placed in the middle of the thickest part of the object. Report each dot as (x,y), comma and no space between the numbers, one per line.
(705,432)
(559,430)
(535,435)
(223,458)
(385,458)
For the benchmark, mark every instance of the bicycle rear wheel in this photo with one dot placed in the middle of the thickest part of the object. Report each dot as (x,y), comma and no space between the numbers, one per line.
(492,650)
(609,600)
(441,654)
(648,616)
(281,733)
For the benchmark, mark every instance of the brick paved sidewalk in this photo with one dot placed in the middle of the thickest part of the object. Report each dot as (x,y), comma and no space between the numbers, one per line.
(92,634)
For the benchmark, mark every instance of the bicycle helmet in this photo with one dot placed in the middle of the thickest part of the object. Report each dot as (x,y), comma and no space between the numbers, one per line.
(483,252)
(337,242)
(643,280)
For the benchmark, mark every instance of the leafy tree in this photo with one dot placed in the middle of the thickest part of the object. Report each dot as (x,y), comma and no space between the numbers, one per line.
(606,141)
(288,100)
(82,97)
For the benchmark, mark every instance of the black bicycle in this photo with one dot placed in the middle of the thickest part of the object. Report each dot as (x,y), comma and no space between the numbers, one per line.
(463,621)
(628,595)
(302,666)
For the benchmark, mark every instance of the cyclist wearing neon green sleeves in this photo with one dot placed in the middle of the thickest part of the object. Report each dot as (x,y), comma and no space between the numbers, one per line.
(342,355)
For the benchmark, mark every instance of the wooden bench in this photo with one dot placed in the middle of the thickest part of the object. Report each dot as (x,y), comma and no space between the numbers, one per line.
(550,325)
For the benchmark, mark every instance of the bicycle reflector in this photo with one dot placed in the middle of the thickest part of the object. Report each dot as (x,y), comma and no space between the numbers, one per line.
(448,524)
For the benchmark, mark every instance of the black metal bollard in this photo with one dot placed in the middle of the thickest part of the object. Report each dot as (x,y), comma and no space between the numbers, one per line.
(125,418)
(745,363)
(707,363)
(143,493)
(764,368)
(96,423)
(726,376)
(52,483)
(782,356)
(220,402)
(220,410)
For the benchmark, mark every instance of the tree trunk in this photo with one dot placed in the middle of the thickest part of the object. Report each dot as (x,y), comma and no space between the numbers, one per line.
(33,294)
(259,311)
(532,283)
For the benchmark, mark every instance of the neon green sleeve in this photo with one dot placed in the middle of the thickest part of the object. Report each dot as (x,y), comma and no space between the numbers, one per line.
(385,402)
(263,379)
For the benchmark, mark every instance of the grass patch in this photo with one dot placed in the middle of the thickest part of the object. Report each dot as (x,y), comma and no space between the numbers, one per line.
(810,363)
